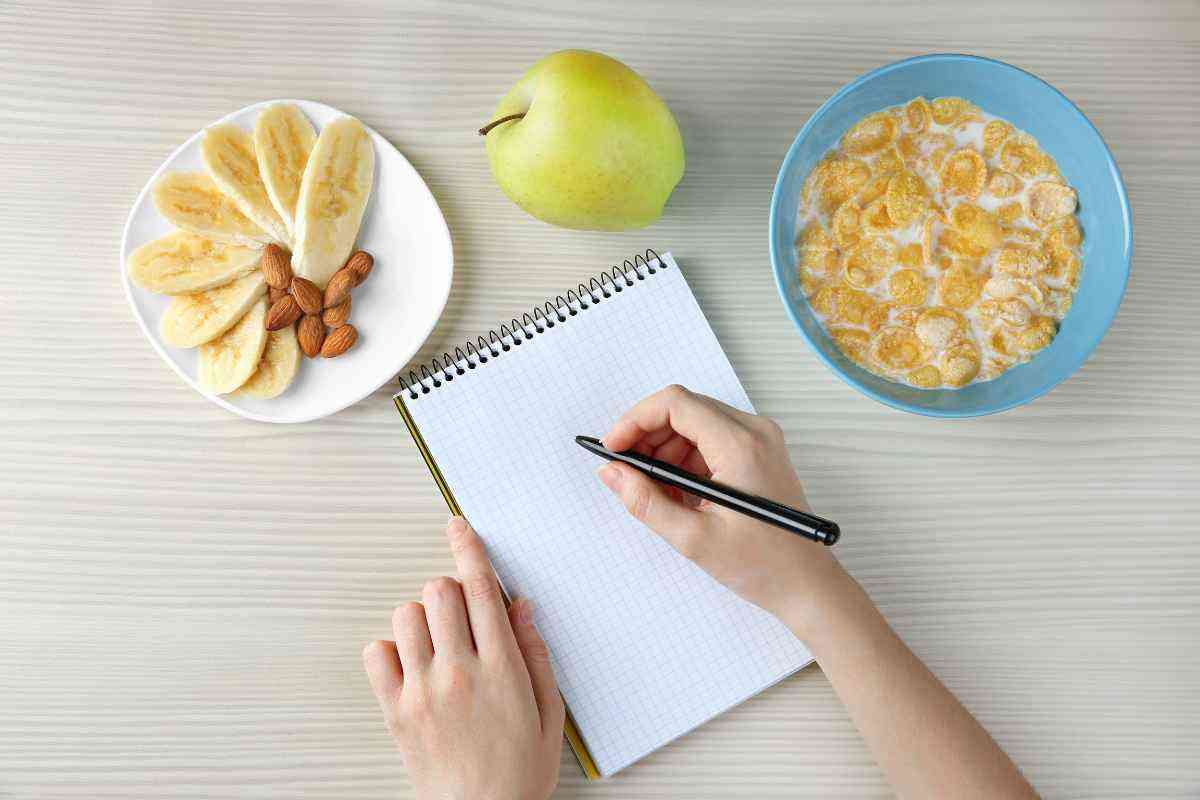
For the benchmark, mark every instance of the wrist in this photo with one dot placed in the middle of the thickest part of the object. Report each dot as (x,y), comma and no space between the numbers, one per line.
(815,613)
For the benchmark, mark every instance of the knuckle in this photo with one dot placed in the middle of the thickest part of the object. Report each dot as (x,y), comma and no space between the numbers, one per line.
(675,392)
(456,681)
(439,587)
(770,430)
(536,651)
(481,587)
(406,614)
(462,539)
(373,651)
(638,502)
(417,708)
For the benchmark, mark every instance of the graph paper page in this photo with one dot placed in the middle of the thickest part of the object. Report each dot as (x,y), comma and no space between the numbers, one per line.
(646,646)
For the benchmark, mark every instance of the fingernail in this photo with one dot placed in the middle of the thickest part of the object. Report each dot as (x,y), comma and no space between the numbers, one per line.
(610,476)
(456,526)
(524,611)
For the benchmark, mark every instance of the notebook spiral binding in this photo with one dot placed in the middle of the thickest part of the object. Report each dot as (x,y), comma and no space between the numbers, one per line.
(559,310)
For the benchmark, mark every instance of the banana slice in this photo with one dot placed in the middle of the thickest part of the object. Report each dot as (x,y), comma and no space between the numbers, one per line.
(193,319)
(333,195)
(182,262)
(228,154)
(190,200)
(278,366)
(283,139)
(229,360)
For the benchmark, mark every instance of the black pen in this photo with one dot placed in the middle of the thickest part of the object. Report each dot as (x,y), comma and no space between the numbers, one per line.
(790,519)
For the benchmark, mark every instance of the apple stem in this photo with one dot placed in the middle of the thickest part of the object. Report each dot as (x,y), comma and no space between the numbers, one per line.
(484,130)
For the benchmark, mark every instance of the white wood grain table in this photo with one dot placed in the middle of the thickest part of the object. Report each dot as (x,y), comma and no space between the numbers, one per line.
(184,594)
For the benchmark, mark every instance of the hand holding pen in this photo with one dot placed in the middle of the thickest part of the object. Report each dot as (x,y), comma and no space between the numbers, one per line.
(772,568)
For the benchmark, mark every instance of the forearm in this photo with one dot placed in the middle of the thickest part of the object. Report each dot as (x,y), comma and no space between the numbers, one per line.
(922,737)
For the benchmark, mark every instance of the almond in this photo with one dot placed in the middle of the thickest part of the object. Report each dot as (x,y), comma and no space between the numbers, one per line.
(276,266)
(339,341)
(307,295)
(339,286)
(311,335)
(283,312)
(360,263)
(336,316)
(274,294)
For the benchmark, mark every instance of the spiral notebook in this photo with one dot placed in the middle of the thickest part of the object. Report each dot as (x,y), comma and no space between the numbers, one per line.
(645,645)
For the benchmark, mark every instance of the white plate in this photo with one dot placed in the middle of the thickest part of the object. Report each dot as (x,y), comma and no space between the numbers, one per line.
(394,311)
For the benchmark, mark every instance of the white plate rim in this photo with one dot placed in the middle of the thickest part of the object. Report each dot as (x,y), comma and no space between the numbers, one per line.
(403,356)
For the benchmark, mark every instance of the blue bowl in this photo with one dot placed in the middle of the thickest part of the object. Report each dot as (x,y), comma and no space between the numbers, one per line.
(1063,131)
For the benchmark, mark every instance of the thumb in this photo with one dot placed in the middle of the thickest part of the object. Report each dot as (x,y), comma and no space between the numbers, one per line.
(648,502)
(537,662)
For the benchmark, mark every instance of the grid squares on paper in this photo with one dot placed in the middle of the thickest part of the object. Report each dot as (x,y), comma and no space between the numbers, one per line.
(646,646)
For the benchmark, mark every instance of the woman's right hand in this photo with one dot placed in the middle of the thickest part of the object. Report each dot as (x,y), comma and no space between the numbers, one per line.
(778,571)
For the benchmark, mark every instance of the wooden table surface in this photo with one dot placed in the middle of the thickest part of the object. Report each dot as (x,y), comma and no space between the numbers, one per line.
(184,593)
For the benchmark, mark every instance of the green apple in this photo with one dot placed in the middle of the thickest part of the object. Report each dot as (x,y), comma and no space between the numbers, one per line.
(583,142)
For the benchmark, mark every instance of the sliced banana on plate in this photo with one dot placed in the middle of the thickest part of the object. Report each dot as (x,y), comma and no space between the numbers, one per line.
(278,366)
(192,201)
(183,262)
(333,195)
(283,140)
(228,154)
(228,361)
(193,319)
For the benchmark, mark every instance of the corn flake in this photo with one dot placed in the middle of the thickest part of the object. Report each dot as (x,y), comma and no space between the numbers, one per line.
(960,364)
(852,342)
(947,110)
(876,220)
(867,262)
(906,317)
(815,236)
(939,327)
(994,134)
(843,177)
(1027,237)
(1003,184)
(845,223)
(959,288)
(853,305)
(907,197)
(910,256)
(926,377)
(1039,334)
(1023,262)
(1020,154)
(908,148)
(908,287)
(870,134)
(964,173)
(897,349)
(1048,201)
(888,162)
(873,189)
(981,228)
(818,262)
(917,115)
(1010,213)
(879,315)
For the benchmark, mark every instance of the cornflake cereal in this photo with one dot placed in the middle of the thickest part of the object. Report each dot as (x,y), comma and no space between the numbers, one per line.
(939,245)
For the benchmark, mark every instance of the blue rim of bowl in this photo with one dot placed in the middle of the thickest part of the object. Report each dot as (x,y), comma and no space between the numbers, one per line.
(777,261)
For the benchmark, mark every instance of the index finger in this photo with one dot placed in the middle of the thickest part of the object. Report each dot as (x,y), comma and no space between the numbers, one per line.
(485,604)
(705,423)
